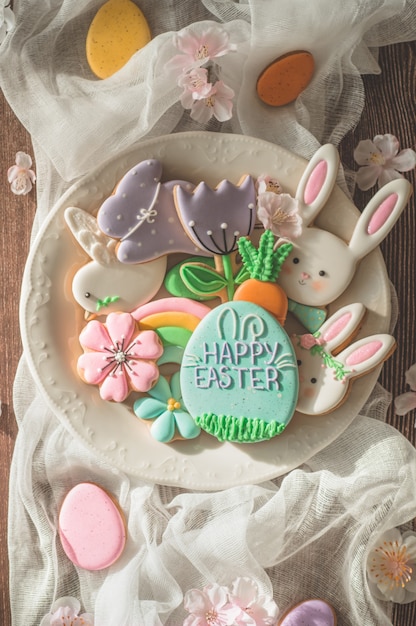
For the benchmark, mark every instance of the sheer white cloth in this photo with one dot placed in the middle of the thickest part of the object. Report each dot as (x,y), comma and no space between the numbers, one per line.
(303,535)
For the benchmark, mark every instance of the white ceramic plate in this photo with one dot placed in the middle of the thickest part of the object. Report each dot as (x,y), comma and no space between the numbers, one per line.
(51,322)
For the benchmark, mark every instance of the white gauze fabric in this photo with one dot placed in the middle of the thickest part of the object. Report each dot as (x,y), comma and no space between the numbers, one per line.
(306,534)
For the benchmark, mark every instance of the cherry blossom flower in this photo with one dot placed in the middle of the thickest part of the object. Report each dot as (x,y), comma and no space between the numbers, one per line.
(118,357)
(7,19)
(407,401)
(20,176)
(381,161)
(198,48)
(391,567)
(256,609)
(196,86)
(280,214)
(268,183)
(65,612)
(210,607)
(217,103)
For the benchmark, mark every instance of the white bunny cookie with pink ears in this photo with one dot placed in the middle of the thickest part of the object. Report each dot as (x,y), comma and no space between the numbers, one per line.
(105,285)
(321,265)
(327,367)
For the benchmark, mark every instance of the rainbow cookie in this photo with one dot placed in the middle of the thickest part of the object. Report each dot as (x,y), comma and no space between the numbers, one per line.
(141,214)
(239,376)
(91,527)
(309,613)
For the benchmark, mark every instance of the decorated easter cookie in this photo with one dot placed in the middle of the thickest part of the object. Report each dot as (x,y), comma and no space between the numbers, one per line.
(321,265)
(118,357)
(309,613)
(91,527)
(239,376)
(166,411)
(118,30)
(141,214)
(105,285)
(285,78)
(327,367)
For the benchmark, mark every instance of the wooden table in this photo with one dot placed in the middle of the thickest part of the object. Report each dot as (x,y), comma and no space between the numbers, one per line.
(390,107)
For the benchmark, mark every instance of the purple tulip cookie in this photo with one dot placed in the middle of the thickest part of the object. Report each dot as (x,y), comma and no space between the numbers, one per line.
(309,613)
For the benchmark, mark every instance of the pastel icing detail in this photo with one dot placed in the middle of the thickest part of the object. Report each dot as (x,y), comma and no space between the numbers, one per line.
(282,81)
(310,317)
(166,407)
(167,305)
(310,613)
(324,379)
(321,266)
(118,30)
(382,214)
(141,214)
(214,219)
(239,375)
(174,336)
(118,357)
(91,527)
(175,285)
(154,321)
(103,276)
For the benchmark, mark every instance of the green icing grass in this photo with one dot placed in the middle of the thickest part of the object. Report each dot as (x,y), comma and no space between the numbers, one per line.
(239,429)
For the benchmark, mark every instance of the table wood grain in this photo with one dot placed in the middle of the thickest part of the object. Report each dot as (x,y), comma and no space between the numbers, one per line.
(390,107)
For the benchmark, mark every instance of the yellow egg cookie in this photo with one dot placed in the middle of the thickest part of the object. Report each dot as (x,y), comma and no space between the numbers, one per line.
(118,30)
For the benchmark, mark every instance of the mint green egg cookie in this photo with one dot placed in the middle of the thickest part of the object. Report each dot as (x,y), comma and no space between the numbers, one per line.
(239,374)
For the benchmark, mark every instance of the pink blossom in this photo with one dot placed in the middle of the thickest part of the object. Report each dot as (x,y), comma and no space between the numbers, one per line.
(210,607)
(65,612)
(196,86)
(267,183)
(308,341)
(217,103)
(280,214)
(407,401)
(256,609)
(117,357)
(381,161)
(199,47)
(20,175)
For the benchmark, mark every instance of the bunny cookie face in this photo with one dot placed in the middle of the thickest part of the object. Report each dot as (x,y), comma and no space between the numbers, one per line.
(317,269)
(324,378)
(321,265)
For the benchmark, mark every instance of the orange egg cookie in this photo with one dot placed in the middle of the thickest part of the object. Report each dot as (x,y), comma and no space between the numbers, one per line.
(285,78)
(118,30)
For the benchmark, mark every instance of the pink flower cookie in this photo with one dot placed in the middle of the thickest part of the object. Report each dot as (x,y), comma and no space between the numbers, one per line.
(118,357)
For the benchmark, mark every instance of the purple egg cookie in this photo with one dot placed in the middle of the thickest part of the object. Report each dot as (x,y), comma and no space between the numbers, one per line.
(310,613)
(141,214)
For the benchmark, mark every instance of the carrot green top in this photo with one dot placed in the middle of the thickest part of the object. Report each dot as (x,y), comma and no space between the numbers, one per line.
(263,263)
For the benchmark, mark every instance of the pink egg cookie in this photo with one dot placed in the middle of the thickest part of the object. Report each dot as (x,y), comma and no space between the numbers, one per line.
(91,527)
(310,613)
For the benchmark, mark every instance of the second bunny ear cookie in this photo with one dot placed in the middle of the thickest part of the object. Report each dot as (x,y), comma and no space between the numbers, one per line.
(310,613)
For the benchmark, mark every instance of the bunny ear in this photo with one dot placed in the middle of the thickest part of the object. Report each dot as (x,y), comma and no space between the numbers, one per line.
(85,229)
(379,217)
(317,182)
(342,326)
(364,355)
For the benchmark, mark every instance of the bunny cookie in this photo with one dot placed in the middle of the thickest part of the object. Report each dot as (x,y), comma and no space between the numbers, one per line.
(324,378)
(104,282)
(321,265)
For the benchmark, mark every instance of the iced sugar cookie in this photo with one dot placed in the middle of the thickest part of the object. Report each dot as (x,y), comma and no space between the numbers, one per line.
(309,613)
(239,375)
(118,30)
(118,356)
(141,214)
(91,527)
(285,78)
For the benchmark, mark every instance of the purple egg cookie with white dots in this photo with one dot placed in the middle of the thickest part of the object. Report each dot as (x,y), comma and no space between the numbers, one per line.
(141,214)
